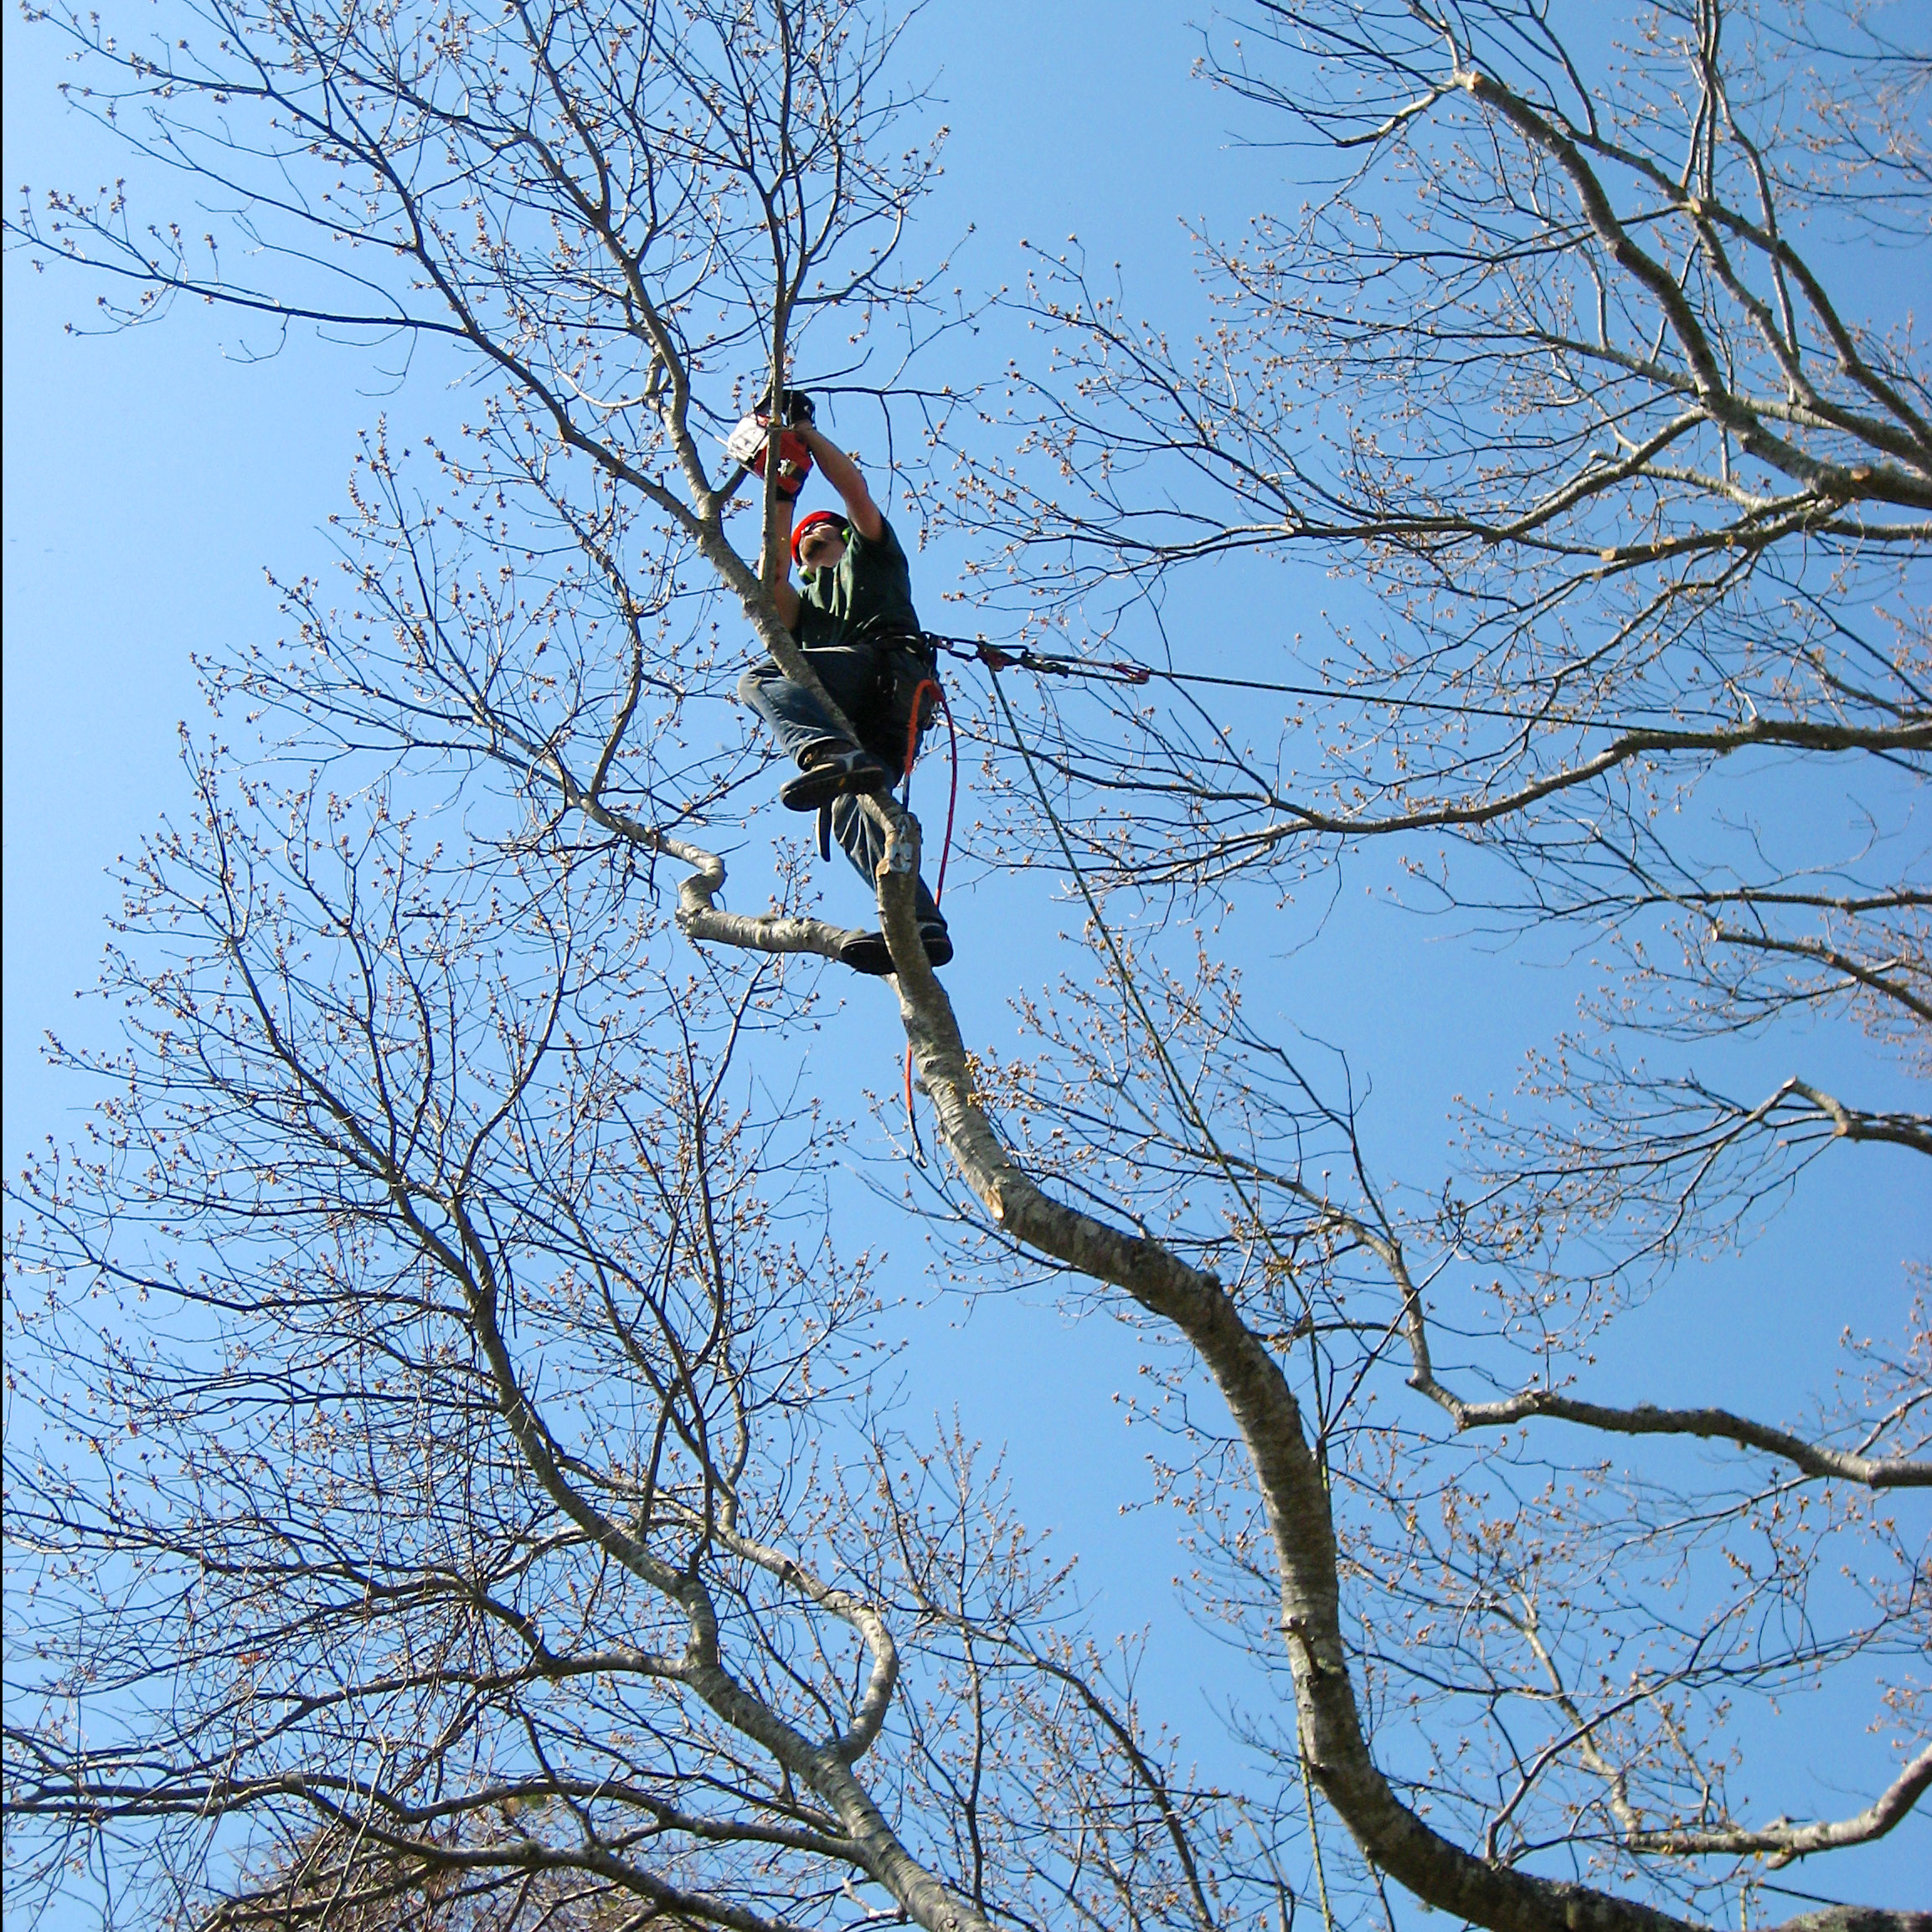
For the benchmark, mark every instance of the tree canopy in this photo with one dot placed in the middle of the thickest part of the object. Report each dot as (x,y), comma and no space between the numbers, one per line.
(447,1477)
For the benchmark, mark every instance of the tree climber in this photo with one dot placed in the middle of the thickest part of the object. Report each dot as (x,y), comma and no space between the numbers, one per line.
(855,622)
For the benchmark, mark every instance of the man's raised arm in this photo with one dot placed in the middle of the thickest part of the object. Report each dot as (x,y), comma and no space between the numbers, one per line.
(839,469)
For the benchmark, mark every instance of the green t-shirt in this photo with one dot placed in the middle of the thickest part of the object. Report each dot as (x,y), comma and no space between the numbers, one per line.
(866,592)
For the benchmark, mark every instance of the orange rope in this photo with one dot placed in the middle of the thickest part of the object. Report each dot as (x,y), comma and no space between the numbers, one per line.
(924,685)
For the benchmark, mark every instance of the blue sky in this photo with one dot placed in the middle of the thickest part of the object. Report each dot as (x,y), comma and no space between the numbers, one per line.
(152,476)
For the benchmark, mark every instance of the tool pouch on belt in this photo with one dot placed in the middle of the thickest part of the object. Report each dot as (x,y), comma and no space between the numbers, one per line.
(905,662)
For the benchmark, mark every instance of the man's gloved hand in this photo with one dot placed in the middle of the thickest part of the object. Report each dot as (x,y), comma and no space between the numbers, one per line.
(795,407)
(748,442)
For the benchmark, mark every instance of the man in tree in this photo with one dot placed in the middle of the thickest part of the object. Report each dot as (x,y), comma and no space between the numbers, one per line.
(855,622)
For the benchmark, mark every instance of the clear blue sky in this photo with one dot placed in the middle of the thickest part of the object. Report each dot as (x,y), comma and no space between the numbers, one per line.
(150,478)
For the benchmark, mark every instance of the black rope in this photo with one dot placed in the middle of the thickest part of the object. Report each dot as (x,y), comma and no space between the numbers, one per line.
(1021,656)
(1121,671)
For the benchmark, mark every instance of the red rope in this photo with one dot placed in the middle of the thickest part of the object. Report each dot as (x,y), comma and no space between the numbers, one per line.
(924,685)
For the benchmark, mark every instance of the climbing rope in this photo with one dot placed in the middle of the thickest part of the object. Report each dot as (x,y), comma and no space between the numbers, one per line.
(1021,656)
(997,658)
(1016,656)
(920,690)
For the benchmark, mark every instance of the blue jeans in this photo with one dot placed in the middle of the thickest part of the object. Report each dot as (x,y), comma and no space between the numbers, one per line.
(850,675)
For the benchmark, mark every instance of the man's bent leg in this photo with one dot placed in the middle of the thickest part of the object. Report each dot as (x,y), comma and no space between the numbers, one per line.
(849,674)
(796,717)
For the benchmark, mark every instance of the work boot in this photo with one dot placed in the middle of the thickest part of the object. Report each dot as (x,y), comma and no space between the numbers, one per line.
(831,770)
(867,952)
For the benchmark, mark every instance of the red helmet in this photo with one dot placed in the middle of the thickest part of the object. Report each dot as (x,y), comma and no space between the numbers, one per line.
(805,525)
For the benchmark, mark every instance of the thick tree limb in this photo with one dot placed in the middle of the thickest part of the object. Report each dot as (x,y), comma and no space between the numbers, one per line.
(1812,1458)
(1294,1494)
(1640,1419)
(1785,1842)
(762,932)
(1265,1409)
